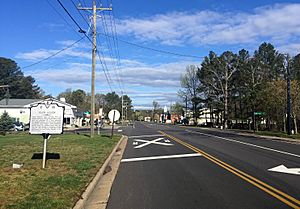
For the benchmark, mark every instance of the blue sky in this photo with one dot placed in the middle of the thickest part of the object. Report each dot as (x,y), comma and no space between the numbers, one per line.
(35,29)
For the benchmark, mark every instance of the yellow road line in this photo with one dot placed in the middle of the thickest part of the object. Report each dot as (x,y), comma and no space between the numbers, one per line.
(291,201)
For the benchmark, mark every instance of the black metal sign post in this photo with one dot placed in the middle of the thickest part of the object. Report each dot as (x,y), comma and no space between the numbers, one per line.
(112,127)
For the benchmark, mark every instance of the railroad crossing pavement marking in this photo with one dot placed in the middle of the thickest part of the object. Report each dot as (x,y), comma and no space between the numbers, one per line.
(154,141)
(160,157)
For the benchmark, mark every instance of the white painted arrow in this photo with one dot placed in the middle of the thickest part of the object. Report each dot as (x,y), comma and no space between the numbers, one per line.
(283,169)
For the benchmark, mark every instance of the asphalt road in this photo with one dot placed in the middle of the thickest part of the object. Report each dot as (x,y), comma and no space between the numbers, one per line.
(171,167)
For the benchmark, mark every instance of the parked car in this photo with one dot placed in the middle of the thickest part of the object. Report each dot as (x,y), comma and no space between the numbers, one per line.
(18,126)
(192,122)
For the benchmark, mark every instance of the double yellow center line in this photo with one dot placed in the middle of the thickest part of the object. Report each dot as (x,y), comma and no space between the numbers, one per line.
(285,198)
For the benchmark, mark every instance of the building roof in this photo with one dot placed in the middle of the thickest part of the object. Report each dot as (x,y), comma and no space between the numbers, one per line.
(52,100)
(27,103)
(17,102)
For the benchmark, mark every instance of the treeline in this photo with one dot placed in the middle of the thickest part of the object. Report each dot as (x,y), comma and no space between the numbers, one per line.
(238,86)
(108,101)
(14,84)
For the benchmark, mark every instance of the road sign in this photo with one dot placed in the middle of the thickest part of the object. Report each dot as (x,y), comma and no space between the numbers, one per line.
(46,118)
(114,115)
(259,113)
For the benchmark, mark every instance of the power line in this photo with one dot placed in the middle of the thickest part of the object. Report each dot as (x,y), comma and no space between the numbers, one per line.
(80,29)
(116,44)
(80,13)
(103,63)
(153,49)
(56,53)
(76,32)
(109,46)
(160,50)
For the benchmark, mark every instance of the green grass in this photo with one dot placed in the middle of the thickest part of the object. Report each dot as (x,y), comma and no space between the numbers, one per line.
(62,182)
(278,134)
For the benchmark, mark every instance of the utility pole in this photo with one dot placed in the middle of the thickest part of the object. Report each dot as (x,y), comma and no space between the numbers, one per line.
(7,93)
(94,50)
(122,109)
(289,122)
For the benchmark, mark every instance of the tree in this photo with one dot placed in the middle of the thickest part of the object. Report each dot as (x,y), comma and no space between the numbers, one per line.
(108,101)
(67,94)
(112,101)
(190,83)
(6,123)
(20,86)
(216,77)
(295,68)
(100,100)
(177,109)
(270,62)
(128,107)
(78,98)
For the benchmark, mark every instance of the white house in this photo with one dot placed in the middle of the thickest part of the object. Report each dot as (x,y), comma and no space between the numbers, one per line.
(19,109)
(205,117)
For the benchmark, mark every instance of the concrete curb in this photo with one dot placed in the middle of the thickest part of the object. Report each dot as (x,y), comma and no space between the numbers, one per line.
(89,189)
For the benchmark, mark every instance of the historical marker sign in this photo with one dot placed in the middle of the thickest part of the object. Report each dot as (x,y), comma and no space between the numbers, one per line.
(46,118)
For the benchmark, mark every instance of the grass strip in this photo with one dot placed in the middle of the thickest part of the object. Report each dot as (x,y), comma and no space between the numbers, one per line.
(64,179)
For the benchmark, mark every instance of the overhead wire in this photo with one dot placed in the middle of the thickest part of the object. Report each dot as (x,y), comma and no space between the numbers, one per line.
(159,50)
(116,49)
(62,17)
(110,49)
(81,30)
(116,45)
(53,55)
(103,63)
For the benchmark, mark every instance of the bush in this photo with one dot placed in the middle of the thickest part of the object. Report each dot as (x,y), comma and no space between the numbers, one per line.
(6,123)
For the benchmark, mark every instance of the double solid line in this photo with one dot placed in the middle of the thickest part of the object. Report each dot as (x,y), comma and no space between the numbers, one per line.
(283,197)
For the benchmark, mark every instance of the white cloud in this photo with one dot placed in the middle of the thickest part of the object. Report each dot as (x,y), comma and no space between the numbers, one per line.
(279,22)
(144,83)
(44,53)
(161,76)
(36,54)
(293,48)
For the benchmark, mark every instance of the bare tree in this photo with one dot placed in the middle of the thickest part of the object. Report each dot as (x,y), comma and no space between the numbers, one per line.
(190,83)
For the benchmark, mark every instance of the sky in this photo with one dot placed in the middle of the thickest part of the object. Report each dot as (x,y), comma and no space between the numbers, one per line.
(143,46)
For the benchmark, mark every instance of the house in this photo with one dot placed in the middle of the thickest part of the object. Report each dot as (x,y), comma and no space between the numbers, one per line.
(206,118)
(19,109)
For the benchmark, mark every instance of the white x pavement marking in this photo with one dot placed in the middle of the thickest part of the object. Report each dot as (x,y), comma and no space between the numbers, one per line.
(155,141)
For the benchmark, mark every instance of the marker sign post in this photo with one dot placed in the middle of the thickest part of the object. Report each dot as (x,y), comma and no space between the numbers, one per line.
(113,116)
(46,118)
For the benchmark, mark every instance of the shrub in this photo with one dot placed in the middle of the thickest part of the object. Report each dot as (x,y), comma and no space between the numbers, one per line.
(6,123)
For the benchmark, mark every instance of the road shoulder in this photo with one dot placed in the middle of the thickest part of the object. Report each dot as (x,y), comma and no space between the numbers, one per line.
(97,192)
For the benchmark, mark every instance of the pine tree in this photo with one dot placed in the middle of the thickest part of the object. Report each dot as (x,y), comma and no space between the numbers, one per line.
(6,123)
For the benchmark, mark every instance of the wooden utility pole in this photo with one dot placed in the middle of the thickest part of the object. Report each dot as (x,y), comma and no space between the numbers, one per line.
(122,109)
(94,50)
(7,93)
